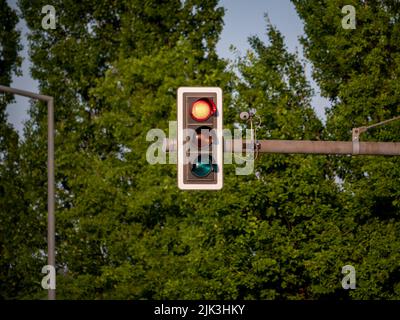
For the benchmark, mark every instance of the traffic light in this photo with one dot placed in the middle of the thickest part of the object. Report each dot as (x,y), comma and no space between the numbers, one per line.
(200,142)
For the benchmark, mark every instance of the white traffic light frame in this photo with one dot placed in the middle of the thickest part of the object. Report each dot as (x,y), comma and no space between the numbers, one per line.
(217,150)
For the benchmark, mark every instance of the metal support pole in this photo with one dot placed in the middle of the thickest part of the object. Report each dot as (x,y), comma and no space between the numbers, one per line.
(305,147)
(51,234)
(329,147)
(51,254)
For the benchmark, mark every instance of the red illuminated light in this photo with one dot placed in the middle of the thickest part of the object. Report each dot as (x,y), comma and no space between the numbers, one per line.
(203,109)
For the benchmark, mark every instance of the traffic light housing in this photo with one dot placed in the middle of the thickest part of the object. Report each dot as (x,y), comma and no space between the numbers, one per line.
(200,138)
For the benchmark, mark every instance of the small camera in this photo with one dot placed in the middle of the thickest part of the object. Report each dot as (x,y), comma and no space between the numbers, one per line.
(244,115)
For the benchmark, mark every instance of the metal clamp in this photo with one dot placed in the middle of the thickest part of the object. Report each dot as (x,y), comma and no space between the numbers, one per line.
(358,131)
(356,139)
(257,147)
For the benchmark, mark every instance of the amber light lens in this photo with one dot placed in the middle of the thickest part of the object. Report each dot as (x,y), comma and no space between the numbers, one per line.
(203,109)
(204,137)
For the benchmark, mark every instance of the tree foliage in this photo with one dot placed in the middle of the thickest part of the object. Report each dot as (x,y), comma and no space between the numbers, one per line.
(358,70)
(17,227)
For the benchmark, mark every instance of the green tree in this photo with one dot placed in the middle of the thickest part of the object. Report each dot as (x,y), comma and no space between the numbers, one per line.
(14,224)
(66,61)
(293,226)
(114,76)
(358,70)
(125,231)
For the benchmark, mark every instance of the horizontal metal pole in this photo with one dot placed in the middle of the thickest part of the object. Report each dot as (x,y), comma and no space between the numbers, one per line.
(304,147)
(25,93)
(328,147)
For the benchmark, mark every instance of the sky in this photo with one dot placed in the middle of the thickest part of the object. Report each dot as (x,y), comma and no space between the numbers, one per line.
(243,18)
(17,112)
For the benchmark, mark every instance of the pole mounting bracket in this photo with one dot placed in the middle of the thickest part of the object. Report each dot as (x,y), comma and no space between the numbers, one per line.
(356,139)
(357,131)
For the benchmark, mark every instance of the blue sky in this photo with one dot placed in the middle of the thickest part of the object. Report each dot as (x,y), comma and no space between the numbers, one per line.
(242,19)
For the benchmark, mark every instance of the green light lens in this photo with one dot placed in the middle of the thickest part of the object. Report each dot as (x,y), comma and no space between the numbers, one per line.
(203,168)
